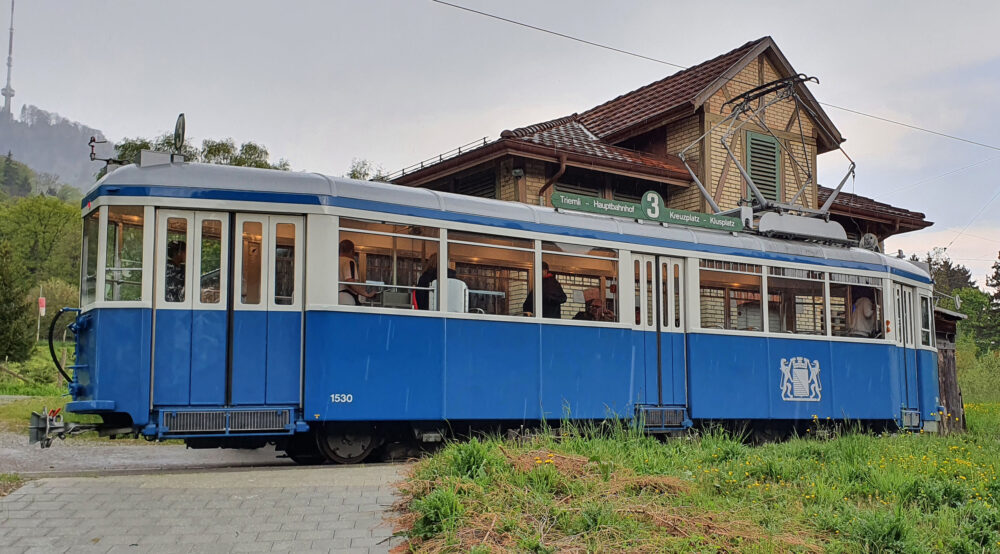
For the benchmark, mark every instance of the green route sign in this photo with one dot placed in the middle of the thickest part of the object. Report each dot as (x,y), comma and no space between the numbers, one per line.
(652,208)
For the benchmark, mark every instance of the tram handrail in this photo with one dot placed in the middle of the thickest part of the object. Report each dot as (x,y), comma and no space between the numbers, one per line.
(52,348)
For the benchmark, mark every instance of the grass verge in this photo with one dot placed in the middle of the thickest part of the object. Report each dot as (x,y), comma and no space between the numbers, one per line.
(612,489)
(9,482)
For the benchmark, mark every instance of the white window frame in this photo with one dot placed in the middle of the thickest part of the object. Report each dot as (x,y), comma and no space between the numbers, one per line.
(224,292)
(272,235)
(161,259)
(265,262)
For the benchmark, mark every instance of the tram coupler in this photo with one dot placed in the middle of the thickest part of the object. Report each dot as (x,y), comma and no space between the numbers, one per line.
(49,425)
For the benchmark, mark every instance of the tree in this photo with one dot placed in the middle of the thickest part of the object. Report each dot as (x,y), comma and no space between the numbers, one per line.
(17,321)
(222,152)
(58,294)
(366,170)
(44,233)
(983,323)
(948,276)
(15,178)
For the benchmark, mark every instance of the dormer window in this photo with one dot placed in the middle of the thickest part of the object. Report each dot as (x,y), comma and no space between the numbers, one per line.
(764,164)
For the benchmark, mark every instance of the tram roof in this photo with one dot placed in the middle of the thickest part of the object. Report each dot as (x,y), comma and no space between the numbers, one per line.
(196,180)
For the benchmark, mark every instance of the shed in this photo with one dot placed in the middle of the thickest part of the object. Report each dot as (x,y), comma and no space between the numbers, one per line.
(945,323)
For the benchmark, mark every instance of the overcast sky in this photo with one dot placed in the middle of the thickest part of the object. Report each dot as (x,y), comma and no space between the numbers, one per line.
(321,82)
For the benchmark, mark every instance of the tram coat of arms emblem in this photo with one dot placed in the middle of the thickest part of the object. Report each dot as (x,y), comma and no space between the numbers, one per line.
(800,380)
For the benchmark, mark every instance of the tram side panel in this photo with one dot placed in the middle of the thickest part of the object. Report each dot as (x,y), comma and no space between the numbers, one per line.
(112,363)
(589,372)
(743,377)
(378,367)
(373,367)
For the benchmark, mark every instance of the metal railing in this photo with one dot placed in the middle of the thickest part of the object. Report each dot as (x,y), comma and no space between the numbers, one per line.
(439,158)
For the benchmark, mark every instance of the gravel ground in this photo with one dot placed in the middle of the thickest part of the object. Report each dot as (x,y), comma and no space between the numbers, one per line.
(79,457)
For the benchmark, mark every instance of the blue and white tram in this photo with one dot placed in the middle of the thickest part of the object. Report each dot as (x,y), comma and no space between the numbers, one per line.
(214,309)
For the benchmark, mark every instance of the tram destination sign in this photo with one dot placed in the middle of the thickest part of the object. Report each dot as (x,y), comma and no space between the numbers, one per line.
(652,208)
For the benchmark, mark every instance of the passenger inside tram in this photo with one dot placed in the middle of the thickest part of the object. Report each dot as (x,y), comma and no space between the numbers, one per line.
(553,296)
(176,254)
(349,273)
(594,309)
(429,276)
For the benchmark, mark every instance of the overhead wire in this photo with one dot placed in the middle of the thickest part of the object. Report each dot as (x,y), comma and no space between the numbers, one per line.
(671,64)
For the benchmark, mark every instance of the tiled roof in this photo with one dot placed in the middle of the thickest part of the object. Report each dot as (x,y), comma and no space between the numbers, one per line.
(567,134)
(659,97)
(847,203)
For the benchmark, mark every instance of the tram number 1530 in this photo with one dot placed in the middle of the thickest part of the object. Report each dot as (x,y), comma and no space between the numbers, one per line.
(342,398)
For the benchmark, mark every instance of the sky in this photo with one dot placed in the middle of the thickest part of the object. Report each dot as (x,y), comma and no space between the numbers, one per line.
(321,83)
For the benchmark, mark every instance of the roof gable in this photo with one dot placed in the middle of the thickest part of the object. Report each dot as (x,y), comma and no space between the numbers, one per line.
(687,90)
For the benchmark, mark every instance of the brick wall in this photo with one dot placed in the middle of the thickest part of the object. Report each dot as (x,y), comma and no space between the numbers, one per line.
(680,134)
(506,183)
(534,180)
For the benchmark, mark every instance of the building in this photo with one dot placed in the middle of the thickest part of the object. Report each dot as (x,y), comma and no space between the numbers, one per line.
(631,144)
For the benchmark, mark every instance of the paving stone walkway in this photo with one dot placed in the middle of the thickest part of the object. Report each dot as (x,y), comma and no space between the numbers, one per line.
(325,509)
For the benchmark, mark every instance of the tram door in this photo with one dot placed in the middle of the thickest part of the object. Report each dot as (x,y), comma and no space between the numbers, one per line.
(267,310)
(189,348)
(659,315)
(905,337)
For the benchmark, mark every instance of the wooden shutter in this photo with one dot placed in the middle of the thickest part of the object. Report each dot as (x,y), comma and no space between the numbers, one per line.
(764,164)
(482,184)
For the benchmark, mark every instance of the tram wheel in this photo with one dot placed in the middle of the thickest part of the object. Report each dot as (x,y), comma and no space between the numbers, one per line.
(346,443)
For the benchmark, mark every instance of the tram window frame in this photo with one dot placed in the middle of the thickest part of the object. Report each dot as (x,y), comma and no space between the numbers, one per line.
(580,289)
(125,232)
(717,271)
(926,321)
(487,299)
(844,292)
(780,281)
(90,257)
(401,290)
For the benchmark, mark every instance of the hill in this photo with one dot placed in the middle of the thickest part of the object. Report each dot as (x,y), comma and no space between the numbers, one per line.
(51,144)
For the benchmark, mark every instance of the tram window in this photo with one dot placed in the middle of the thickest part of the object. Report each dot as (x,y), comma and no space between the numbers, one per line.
(390,228)
(123,263)
(795,301)
(588,278)
(175,269)
(396,262)
(497,272)
(925,321)
(730,296)
(284,264)
(677,295)
(211,261)
(89,270)
(855,306)
(251,271)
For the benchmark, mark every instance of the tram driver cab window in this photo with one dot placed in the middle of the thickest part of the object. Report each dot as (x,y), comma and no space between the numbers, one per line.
(730,296)
(856,308)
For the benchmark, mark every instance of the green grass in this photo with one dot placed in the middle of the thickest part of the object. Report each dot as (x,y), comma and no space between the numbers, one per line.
(9,482)
(615,489)
(14,416)
(41,374)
